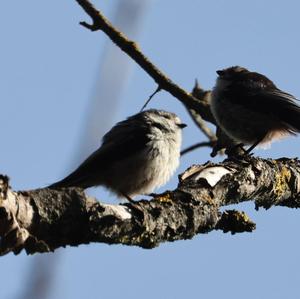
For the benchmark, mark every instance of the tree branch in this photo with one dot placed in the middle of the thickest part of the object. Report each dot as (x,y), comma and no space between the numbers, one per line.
(197,103)
(43,220)
(132,50)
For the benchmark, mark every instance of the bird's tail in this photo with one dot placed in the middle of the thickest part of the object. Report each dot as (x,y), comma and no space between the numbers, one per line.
(72,180)
(293,119)
(85,176)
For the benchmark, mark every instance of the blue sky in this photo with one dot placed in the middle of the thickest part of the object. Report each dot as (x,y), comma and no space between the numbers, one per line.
(49,75)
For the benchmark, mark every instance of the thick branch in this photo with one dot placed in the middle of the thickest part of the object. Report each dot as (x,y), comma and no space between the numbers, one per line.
(43,220)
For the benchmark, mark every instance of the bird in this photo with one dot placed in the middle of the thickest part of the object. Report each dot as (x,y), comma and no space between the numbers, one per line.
(250,108)
(137,156)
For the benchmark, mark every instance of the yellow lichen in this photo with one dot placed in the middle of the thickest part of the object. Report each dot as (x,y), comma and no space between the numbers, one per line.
(242,217)
(281,183)
(166,197)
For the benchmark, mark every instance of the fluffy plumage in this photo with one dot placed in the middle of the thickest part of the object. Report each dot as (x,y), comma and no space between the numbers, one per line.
(137,155)
(251,109)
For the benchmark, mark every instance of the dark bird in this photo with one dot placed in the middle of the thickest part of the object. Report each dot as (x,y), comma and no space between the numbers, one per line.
(251,110)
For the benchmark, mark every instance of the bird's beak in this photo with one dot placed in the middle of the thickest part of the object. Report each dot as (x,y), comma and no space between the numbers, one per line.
(220,73)
(181,126)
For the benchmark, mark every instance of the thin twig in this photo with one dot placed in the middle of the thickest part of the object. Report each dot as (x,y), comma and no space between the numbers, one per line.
(158,89)
(195,146)
(200,123)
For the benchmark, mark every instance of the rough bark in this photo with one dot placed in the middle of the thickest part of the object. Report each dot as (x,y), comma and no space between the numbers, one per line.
(43,220)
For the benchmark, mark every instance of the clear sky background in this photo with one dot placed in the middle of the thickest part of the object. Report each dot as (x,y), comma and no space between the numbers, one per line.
(49,67)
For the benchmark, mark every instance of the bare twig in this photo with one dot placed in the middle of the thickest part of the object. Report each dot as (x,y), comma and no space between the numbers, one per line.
(132,50)
(201,124)
(158,89)
(195,146)
(197,103)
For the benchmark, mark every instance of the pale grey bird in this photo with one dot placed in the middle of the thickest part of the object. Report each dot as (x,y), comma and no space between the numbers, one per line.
(137,156)
(251,110)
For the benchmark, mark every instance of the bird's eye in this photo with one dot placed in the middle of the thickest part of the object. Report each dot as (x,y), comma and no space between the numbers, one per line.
(160,126)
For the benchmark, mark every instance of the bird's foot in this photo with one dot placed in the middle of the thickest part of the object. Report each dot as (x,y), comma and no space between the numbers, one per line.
(238,153)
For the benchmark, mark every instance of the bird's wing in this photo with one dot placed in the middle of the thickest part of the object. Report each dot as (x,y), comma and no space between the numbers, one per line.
(281,106)
(123,140)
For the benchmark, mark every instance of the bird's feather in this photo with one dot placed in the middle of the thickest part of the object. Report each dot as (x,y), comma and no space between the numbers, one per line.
(272,102)
(123,140)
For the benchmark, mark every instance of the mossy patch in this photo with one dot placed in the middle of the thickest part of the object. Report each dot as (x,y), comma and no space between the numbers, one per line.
(282,180)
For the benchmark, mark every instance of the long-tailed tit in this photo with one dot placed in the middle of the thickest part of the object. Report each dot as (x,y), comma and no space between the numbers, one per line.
(250,109)
(137,155)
